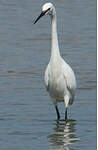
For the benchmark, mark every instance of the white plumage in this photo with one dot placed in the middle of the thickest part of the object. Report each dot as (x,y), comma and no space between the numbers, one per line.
(59,77)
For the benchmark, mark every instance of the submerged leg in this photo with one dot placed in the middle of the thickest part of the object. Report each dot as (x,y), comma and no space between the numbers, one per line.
(66,114)
(57,111)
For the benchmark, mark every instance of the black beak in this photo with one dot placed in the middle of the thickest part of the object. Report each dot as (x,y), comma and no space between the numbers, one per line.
(42,14)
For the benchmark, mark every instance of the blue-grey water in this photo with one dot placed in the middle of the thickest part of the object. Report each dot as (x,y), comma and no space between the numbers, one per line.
(27,115)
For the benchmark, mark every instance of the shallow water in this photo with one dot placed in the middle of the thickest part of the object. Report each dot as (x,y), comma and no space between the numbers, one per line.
(27,116)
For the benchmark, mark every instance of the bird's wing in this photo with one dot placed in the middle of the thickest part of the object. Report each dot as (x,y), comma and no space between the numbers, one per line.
(69,78)
(46,78)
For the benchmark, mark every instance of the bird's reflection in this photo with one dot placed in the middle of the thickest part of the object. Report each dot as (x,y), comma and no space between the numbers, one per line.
(63,136)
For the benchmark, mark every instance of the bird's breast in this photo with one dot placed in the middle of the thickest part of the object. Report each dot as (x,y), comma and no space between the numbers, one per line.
(56,86)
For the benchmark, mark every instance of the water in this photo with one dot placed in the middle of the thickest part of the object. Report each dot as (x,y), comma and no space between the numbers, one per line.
(27,116)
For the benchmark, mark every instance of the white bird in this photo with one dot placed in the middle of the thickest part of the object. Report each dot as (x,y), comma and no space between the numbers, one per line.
(60,79)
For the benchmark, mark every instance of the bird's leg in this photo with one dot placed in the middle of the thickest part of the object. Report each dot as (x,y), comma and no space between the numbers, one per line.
(66,114)
(66,100)
(57,111)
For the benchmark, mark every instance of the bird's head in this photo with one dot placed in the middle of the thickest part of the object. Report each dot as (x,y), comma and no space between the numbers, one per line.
(47,8)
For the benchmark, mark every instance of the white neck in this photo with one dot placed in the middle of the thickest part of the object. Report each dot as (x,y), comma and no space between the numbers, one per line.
(55,46)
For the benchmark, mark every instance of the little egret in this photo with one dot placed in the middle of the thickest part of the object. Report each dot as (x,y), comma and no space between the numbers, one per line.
(59,77)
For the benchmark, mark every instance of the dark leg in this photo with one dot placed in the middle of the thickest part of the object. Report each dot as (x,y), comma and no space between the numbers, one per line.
(66,114)
(57,111)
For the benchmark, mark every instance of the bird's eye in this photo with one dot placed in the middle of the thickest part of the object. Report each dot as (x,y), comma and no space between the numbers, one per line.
(48,9)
